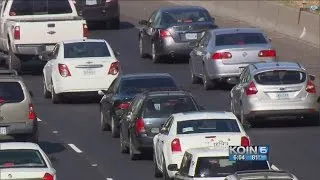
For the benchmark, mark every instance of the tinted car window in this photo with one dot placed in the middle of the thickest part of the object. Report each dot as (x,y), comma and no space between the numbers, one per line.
(11,92)
(184,16)
(221,166)
(240,39)
(37,7)
(280,77)
(165,106)
(139,85)
(21,158)
(86,49)
(207,126)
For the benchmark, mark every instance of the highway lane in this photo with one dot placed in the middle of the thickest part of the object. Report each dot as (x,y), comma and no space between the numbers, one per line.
(293,148)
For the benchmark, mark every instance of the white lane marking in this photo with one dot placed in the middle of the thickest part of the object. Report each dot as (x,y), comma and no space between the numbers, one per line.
(75,148)
(303,32)
(94,165)
(39,120)
(274,167)
(109,178)
(55,132)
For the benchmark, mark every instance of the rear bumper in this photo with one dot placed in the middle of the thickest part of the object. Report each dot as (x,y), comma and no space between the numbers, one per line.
(175,158)
(19,128)
(254,115)
(32,49)
(100,13)
(167,46)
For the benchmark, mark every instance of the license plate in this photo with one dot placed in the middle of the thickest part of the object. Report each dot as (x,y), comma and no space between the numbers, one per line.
(49,48)
(155,130)
(91,2)
(3,131)
(241,69)
(218,144)
(283,96)
(192,36)
(89,72)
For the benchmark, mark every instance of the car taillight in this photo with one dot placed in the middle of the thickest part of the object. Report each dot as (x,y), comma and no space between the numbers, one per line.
(31,114)
(48,176)
(16,33)
(267,53)
(245,141)
(311,88)
(124,105)
(175,145)
(64,70)
(140,126)
(85,30)
(164,33)
(251,89)
(114,68)
(221,55)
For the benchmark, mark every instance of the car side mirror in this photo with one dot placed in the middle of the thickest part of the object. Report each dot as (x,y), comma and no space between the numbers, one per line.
(194,44)
(31,93)
(246,126)
(116,53)
(312,77)
(143,22)
(233,80)
(102,92)
(173,167)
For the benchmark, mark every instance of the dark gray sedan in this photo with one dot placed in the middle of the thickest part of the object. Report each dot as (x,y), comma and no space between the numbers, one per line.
(169,31)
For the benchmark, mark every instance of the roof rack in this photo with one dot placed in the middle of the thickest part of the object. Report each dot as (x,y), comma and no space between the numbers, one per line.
(8,73)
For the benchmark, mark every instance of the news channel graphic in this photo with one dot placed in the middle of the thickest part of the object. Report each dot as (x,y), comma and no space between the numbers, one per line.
(248,153)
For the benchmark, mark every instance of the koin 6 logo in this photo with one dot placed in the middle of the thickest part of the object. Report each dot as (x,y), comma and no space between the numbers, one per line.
(252,150)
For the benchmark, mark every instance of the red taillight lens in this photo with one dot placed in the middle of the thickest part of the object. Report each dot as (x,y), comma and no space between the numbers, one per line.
(140,126)
(245,141)
(48,176)
(267,53)
(85,30)
(221,55)
(64,70)
(164,33)
(311,88)
(175,145)
(16,33)
(114,68)
(31,114)
(124,105)
(251,89)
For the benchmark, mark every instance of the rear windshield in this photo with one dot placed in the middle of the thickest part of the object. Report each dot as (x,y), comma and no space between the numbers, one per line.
(221,166)
(86,49)
(139,85)
(11,92)
(22,158)
(165,106)
(184,16)
(39,7)
(240,39)
(207,126)
(280,77)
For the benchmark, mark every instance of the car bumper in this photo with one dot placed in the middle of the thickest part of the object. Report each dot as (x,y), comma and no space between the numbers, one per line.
(175,158)
(100,13)
(32,49)
(169,47)
(18,128)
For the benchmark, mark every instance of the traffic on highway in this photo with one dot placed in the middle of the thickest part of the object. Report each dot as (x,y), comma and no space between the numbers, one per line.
(164,92)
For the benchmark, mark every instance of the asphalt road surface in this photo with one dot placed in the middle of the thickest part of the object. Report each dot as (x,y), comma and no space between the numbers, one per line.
(70,132)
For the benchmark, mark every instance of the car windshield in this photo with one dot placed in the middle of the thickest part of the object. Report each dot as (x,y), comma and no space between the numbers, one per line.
(86,49)
(11,92)
(280,77)
(21,158)
(221,166)
(184,16)
(36,7)
(158,107)
(207,126)
(240,39)
(133,86)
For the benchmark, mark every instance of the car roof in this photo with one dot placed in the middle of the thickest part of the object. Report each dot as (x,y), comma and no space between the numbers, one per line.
(173,8)
(158,93)
(208,152)
(219,31)
(267,66)
(204,115)
(19,145)
(144,75)
(83,40)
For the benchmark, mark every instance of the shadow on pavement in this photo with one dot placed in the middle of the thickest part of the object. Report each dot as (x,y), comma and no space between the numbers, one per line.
(102,26)
(51,148)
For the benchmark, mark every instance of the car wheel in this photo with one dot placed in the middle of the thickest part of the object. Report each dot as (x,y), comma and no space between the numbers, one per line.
(133,154)
(123,147)
(142,54)
(194,78)
(46,93)
(165,172)
(154,56)
(103,125)
(13,61)
(157,172)
(56,99)
(114,128)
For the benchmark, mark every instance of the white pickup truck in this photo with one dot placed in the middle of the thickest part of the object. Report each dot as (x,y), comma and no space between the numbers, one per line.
(29,27)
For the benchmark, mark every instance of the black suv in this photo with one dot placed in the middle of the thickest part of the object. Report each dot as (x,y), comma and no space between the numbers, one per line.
(147,114)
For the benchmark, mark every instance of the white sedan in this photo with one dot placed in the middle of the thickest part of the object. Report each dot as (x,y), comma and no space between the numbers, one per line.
(80,66)
(183,131)
(25,161)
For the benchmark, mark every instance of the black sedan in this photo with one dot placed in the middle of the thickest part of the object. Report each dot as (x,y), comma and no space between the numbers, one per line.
(169,31)
(117,98)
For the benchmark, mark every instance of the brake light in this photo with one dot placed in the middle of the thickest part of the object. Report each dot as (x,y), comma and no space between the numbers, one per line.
(64,70)
(164,33)
(85,30)
(175,145)
(221,55)
(251,89)
(311,88)
(124,105)
(48,176)
(267,53)
(114,68)
(31,114)
(140,126)
(16,33)
(245,141)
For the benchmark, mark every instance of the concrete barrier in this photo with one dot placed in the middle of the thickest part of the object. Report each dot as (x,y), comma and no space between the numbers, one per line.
(267,15)
(310,23)
(288,21)
(247,10)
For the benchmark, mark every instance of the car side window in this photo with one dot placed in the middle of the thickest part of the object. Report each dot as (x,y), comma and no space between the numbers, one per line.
(137,106)
(167,125)
(152,17)
(133,103)
(205,40)
(114,85)
(185,164)
(243,75)
(156,22)
(55,52)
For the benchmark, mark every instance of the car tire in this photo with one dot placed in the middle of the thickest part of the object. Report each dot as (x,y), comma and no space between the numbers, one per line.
(157,172)
(194,78)
(114,128)
(56,98)
(13,61)
(154,57)
(123,147)
(46,93)
(165,172)
(133,155)
(103,125)
(142,54)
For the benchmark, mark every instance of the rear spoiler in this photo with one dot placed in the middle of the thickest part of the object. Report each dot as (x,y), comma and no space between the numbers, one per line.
(8,73)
